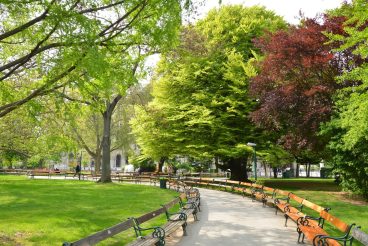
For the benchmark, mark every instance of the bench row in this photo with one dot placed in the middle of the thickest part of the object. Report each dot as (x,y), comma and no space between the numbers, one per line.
(189,204)
(292,206)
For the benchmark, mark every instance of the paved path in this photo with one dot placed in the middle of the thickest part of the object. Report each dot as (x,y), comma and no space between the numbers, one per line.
(229,219)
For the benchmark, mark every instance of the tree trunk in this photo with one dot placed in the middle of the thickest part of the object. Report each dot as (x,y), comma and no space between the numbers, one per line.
(308,170)
(238,169)
(274,169)
(106,140)
(97,159)
(265,169)
(216,164)
(297,170)
(160,164)
(106,143)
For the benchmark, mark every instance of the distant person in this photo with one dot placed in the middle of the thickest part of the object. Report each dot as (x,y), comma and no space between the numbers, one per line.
(77,171)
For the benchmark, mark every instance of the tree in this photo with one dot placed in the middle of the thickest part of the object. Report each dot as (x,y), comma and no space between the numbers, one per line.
(46,45)
(275,156)
(201,103)
(296,83)
(348,126)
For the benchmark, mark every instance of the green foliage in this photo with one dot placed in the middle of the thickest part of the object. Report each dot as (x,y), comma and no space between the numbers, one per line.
(349,125)
(93,46)
(201,101)
(275,156)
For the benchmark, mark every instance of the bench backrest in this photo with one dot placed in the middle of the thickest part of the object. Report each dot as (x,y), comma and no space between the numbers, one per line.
(296,198)
(313,206)
(104,234)
(150,215)
(247,184)
(282,192)
(342,226)
(233,182)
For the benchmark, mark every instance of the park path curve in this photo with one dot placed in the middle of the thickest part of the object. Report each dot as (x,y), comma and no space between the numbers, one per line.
(230,219)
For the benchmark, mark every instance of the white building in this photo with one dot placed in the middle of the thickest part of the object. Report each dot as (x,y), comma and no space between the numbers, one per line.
(118,160)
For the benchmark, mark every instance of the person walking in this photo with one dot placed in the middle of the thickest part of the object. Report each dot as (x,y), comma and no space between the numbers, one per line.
(78,171)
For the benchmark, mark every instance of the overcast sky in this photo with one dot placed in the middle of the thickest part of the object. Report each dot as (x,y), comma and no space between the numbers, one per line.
(289,9)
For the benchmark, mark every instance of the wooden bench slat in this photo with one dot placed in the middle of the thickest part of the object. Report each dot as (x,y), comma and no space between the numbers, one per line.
(313,206)
(150,215)
(342,226)
(102,235)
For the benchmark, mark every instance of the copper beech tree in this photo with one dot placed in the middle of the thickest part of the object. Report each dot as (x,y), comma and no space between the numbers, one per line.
(296,83)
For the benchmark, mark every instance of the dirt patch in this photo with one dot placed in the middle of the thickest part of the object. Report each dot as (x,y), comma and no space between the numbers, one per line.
(14,240)
(6,240)
(350,198)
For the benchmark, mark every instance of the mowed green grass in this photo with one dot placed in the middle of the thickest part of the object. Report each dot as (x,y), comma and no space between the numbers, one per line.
(50,212)
(326,193)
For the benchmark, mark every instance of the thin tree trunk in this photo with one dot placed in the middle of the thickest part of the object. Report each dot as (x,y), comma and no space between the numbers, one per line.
(297,170)
(308,170)
(274,169)
(265,169)
(97,159)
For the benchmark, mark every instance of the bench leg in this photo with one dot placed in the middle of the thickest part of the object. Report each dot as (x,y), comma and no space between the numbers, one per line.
(184,229)
(264,201)
(300,233)
(286,219)
(161,242)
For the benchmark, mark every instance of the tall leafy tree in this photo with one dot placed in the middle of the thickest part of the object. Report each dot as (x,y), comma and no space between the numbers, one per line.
(94,47)
(296,83)
(201,103)
(348,126)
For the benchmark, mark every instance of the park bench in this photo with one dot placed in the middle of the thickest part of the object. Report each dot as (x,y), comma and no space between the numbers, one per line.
(307,227)
(158,234)
(295,211)
(126,177)
(261,193)
(193,196)
(189,207)
(245,188)
(103,234)
(45,173)
(13,171)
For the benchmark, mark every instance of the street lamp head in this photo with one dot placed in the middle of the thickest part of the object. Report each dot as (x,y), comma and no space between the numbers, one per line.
(252,144)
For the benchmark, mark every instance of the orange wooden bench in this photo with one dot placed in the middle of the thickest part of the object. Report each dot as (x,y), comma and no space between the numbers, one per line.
(314,232)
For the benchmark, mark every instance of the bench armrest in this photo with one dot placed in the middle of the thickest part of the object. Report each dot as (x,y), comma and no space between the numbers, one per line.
(305,220)
(193,204)
(322,239)
(281,198)
(182,216)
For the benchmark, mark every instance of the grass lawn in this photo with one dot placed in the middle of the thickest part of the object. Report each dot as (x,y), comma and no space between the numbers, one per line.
(326,193)
(50,212)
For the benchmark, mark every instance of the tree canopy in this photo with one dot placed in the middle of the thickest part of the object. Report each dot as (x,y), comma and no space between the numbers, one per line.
(296,82)
(349,124)
(201,102)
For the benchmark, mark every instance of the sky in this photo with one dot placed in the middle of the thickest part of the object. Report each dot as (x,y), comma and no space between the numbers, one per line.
(289,9)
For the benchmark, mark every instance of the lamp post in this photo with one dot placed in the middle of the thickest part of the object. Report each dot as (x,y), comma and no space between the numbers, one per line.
(253,145)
